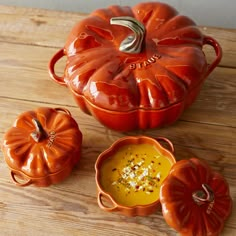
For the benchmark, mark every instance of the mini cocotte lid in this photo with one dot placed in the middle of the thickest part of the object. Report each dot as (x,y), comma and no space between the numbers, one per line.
(195,199)
(42,146)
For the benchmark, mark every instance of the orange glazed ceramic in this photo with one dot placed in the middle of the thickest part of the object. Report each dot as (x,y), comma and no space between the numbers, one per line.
(42,147)
(129,175)
(135,67)
(195,199)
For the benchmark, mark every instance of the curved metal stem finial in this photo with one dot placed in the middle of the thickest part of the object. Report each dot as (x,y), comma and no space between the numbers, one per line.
(204,195)
(39,132)
(133,43)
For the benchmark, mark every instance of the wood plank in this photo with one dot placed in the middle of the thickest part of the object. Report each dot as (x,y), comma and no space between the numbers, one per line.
(67,209)
(46,28)
(36,26)
(216,101)
(71,206)
(23,68)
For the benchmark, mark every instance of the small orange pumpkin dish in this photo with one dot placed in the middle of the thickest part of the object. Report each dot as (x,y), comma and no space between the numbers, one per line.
(42,146)
(195,199)
(129,174)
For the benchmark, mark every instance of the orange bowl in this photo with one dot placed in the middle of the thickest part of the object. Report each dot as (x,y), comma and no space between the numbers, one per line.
(129,175)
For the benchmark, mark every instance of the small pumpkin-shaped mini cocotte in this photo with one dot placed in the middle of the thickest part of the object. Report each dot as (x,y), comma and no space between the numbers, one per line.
(135,67)
(42,146)
(195,199)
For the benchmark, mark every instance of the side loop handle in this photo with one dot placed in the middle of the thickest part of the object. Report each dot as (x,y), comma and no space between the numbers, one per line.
(170,144)
(63,110)
(103,206)
(13,176)
(51,67)
(218,51)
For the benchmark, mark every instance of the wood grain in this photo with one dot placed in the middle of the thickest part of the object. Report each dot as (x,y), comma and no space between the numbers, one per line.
(207,130)
(50,29)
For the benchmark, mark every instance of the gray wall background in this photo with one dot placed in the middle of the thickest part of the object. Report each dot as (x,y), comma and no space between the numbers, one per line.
(219,13)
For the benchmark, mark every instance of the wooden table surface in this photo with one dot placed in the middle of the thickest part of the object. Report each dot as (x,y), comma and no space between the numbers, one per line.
(207,130)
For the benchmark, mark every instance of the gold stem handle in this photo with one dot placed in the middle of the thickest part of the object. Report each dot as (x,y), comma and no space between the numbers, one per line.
(133,43)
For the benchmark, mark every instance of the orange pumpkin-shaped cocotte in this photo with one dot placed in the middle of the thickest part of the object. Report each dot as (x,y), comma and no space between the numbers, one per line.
(195,199)
(42,147)
(135,68)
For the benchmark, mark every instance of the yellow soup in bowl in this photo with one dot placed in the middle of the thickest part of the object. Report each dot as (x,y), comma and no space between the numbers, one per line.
(133,175)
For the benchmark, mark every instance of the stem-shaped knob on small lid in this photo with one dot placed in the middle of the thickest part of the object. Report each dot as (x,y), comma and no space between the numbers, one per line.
(39,132)
(204,195)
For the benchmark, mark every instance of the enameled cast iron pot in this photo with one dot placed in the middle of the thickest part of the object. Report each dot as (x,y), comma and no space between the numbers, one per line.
(135,68)
(42,146)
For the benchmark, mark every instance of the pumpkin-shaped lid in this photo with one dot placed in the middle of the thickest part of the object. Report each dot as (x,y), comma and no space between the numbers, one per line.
(195,199)
(146,58)
(42,146)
